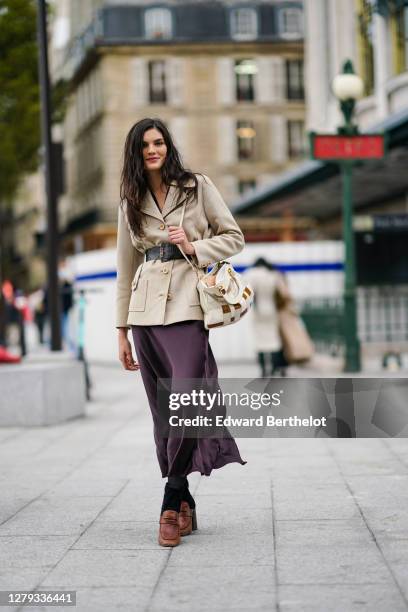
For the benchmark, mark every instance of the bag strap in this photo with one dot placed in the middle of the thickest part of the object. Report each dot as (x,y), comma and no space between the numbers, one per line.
(193,265)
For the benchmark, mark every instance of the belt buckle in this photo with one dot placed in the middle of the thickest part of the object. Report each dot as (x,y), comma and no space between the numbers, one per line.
(161,252)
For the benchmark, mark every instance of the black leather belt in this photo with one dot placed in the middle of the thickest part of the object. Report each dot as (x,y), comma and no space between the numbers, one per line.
(165,252)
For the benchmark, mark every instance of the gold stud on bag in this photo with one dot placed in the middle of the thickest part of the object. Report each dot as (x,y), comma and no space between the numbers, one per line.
(224,296)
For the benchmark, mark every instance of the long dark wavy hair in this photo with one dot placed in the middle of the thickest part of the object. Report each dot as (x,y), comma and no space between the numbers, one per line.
(134,183)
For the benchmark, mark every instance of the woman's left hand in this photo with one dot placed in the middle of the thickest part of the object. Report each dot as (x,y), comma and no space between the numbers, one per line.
(177,236)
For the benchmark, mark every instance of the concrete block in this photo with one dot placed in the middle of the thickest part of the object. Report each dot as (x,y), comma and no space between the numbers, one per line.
(44,393)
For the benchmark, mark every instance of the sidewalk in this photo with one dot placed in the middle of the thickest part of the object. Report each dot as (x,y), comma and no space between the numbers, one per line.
(306,525)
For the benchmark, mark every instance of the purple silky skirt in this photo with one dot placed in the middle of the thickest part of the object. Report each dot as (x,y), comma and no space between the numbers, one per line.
(181,351)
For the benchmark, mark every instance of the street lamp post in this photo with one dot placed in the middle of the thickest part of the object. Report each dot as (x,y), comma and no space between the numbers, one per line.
(352,352)
(345,148)
(348,87)
(52,218)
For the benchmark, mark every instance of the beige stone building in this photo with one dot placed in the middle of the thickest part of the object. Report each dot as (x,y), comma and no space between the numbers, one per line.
(226,78)
(374,35)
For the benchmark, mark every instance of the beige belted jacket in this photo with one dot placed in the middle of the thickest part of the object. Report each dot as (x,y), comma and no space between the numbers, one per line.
(160,293)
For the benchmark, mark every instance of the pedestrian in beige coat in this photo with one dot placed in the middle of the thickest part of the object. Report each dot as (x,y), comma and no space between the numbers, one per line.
(158,300)
(269,286)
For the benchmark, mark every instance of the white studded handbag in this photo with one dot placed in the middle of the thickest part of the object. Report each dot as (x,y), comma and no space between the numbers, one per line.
(224,296)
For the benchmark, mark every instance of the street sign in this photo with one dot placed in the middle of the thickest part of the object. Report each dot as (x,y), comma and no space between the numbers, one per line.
(396,222)
(338,147)
(381,249)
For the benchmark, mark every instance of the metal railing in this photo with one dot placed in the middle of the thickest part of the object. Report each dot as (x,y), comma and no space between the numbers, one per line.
(382,315)
(324,320)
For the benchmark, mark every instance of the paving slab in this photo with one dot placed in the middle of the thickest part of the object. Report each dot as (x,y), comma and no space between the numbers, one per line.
(340,598)
(117,568)
(55,516)
(203,550)
(234,586)
(328,552)
(300,500)
(26,560)
(396,555)
(122,535)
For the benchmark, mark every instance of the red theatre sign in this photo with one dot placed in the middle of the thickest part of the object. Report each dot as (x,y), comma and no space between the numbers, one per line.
(332,147)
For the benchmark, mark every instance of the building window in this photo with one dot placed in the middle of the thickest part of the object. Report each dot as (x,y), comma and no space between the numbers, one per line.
(295,88)
(290,22)
(246,185)
(245,139)
(365,34)
(157,81)
(158,23)
(244,80)
(296,139)
(244,23)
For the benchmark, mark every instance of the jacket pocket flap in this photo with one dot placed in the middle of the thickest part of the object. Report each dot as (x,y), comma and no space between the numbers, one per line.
(138,297)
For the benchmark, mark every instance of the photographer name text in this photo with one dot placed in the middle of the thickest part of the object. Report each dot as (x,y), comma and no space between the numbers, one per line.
(260,421)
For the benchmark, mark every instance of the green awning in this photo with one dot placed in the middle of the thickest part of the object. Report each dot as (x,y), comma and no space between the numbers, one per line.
(313,188)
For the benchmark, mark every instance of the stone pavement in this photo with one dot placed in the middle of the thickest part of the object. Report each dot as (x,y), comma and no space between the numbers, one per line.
(311,525)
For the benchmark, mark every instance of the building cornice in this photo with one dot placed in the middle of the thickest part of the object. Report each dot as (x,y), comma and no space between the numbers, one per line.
(190,31)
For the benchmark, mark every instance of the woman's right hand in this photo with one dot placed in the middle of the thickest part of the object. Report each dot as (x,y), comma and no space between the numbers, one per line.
(125,351)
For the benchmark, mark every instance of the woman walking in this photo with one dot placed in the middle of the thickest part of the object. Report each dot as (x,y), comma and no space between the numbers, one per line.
(158,300)
(270,292)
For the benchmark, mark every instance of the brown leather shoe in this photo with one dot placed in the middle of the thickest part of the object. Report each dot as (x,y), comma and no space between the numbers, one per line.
(169,530)
(187,519)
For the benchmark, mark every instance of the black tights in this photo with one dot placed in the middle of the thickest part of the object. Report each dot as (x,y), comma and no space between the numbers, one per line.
(176,491)
(177,482)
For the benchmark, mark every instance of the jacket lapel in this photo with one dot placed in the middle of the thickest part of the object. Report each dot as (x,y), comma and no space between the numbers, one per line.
(175,198)
(149,206)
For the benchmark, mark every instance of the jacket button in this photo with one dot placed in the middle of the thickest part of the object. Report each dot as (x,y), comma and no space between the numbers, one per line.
(162,226)
(165,271)
(169,296)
